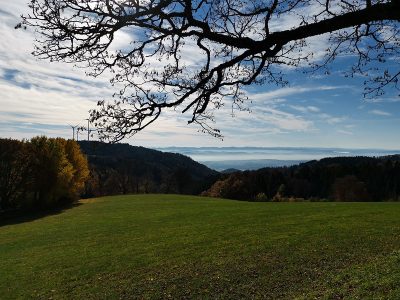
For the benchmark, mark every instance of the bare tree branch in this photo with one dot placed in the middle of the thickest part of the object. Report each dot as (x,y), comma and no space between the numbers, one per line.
(193,54)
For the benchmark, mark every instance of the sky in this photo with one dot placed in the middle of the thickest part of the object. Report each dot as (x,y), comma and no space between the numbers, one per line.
(314,110)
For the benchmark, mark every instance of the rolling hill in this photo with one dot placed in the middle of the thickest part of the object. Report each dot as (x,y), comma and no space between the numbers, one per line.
(122,169)
(170,246)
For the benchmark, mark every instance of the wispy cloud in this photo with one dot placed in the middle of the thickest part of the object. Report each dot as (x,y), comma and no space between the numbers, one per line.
(290,91)
(305,109)
(37,97)
(379,112)
(383,100)
(332,119)
(346,132)
(284,120)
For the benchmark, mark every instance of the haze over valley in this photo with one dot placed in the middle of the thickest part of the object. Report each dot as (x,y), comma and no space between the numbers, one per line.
(252,158)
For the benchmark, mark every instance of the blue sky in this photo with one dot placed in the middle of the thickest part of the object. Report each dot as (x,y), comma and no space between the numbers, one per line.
(37,97)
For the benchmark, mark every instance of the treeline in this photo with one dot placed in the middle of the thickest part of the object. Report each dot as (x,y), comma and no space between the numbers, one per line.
(125,169)
(40,173)
(330,179)
(47,172)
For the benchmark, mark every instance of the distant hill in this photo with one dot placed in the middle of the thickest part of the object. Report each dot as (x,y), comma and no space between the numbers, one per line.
(229,171)
(122,169)
(351,161)
(254,158)
(251,164)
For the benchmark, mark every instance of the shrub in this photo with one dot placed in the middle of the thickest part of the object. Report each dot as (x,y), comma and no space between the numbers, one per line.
(261,197)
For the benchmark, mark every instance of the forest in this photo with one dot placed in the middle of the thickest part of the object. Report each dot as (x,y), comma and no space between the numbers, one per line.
(329,179)
(42,173)
(125,169)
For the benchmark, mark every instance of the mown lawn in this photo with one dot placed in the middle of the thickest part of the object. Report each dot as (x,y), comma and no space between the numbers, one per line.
(168,246)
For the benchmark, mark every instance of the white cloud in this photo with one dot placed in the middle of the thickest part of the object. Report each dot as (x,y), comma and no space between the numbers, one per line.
(350,126)
(346,132)
(281,93)
(380,112)
(332,119)
(305,109)
(38,106)
(383,100)
(335,120)
(285,121)
(43,97)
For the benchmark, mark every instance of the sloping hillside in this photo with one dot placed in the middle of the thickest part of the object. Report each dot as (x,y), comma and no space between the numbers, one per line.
(122,168)
(186,247)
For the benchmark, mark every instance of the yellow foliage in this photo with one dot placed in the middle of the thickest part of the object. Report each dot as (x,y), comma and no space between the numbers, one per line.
(60,170)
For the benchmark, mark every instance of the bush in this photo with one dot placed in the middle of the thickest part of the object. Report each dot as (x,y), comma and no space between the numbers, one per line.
(261,197)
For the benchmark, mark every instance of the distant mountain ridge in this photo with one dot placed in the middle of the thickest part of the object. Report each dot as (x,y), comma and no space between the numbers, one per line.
(352,160)
(253,158)
(255,164)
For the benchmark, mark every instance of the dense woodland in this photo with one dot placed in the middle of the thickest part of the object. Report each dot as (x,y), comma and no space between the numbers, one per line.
(330,179)
(47,172)
(124,169)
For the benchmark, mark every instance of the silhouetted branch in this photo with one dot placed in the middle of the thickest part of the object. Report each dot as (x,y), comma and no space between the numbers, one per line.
(194,54)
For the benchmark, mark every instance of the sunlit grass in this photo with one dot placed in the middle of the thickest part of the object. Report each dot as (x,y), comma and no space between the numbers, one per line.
(159,246)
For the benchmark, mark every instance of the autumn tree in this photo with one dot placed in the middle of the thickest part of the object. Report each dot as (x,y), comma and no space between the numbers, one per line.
(13,173)
(80,169)
(40,173)
(197,55)
(50,169)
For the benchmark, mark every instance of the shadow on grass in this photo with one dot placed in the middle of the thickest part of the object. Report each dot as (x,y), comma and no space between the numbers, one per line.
(17,217)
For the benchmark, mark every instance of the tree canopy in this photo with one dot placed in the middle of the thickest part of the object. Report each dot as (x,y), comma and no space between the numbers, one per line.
(330,179)
(40,173)
(197,55)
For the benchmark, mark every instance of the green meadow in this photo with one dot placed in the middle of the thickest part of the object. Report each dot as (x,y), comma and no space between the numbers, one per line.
(169,246)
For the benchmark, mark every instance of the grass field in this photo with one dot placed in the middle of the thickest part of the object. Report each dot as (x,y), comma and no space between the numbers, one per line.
(167,246)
